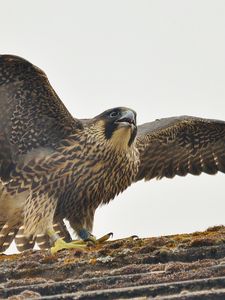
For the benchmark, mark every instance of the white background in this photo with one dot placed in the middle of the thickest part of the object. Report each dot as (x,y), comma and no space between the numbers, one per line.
(161,58)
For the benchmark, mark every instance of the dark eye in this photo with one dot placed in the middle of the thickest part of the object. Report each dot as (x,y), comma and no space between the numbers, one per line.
(114,114)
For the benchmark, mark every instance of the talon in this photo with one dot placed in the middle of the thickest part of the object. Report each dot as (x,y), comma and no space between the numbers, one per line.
(135,237)
(105,238)
(90,239)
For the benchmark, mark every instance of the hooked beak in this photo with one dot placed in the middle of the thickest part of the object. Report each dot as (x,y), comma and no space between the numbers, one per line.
(128,119)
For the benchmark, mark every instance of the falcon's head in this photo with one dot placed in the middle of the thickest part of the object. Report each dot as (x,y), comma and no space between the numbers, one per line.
(118,126)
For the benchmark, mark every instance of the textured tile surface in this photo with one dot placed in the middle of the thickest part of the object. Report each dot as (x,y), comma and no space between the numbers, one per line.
(187,266)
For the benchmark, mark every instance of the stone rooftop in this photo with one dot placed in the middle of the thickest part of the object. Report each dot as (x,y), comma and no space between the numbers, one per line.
(186,266)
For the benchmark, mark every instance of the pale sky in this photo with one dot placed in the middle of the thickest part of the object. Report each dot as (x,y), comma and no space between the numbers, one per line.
(162,58)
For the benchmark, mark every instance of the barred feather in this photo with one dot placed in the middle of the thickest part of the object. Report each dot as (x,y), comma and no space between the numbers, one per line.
(7,235)
(22,242)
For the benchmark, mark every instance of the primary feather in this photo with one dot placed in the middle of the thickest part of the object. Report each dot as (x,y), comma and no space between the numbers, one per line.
(181,145)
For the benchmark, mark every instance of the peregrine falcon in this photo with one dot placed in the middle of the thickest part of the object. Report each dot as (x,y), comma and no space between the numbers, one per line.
(55,167)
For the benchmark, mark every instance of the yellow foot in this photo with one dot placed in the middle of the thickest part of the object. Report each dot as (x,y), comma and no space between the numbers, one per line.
(60,244)
(101,240)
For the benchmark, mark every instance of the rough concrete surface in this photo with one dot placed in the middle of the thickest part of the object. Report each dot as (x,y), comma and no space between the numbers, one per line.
(187,266)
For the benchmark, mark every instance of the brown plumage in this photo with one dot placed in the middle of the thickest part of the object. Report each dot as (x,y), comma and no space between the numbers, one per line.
(53,166)
(181,145)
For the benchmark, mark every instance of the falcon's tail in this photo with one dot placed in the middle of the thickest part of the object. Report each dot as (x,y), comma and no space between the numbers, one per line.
(23,243)
(7,234)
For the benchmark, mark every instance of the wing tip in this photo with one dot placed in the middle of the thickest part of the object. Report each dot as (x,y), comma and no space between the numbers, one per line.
(14,62)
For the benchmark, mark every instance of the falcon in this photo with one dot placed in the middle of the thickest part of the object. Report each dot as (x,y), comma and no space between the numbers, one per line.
(55,167)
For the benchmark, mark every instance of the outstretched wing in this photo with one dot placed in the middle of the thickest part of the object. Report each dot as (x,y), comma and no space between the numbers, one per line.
(181,145)
(31,115)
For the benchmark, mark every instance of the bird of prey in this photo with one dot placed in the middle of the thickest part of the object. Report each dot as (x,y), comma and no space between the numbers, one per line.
(55,167)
